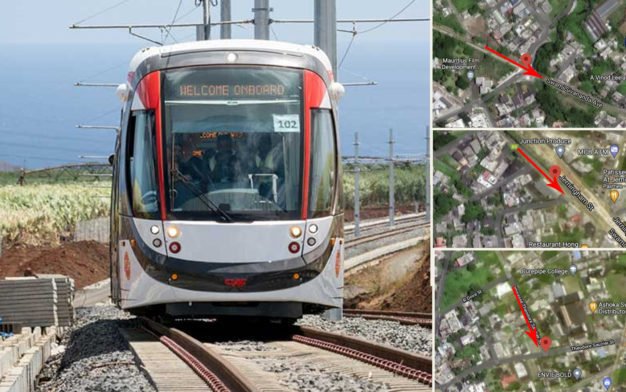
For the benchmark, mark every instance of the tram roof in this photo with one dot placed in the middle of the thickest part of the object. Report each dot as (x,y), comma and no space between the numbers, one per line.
(230,44)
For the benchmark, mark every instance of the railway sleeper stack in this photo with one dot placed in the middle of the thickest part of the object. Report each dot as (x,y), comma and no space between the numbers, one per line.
(22,357)
(37,302)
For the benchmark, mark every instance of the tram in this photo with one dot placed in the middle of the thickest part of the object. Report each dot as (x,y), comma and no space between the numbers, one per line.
(227,192)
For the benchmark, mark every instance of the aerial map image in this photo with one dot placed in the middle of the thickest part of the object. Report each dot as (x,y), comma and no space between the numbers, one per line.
(528,64)
(531,321)
(529,189)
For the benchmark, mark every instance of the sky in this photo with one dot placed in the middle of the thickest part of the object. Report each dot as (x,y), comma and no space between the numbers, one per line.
(41,59)
(38,21)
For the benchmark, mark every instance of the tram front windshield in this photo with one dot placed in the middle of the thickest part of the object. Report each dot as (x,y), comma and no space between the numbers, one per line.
(233,138)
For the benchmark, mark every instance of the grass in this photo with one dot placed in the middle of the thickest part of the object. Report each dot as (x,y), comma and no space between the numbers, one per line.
(449,21)
(459,281)
(571,284)
(493,68)
(549,254)
(558,6)
(445,168)
(616,285)
(463,5)
(619,376)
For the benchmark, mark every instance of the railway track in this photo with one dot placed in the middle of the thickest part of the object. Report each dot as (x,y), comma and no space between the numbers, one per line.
(405,318)
(406,227)
(225,368)
(382,223)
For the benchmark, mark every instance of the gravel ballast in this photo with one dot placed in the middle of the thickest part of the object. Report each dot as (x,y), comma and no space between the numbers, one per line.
(412,338)
(297,375)
(96,356)
(309,378)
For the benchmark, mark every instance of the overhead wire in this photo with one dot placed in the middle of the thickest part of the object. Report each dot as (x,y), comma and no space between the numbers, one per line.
(389,19)
(101,12)
(345,54)
(355,32)
(274,33)
(169,28)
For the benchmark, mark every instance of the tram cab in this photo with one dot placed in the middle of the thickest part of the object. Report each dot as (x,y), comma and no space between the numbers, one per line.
(227,182)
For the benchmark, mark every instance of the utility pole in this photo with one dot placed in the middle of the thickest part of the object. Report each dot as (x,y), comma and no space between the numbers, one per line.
(357,196)
(325,30)
(203,31)
(427,168)
(392,202)
(225,28)
(261,19)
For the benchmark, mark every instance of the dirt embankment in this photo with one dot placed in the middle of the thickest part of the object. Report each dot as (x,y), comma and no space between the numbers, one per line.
(400,282)
(86,262)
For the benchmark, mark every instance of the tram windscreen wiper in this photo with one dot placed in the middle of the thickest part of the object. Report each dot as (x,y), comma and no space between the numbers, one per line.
(202,197)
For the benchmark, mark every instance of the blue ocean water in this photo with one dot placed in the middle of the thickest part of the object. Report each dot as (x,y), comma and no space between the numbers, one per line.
(39,106)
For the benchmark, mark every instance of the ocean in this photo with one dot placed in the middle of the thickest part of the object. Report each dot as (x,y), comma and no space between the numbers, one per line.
(40,106)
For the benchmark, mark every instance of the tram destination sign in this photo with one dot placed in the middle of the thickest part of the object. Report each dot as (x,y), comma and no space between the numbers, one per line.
(234,90)
(233,84)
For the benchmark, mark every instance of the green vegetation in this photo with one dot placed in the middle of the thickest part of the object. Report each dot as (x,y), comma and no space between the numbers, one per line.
(460,281)
(444,203)
(573,23)
(410,183)
(492,68)
(557,110)
(619,376)
(40,213)
(487,231)
(473,211)
(471,352)
(449,21)
(440,139)
(616,286)
(549,254)
(599,67)
(445,168)
(470,6)
(575,235)
(449,47)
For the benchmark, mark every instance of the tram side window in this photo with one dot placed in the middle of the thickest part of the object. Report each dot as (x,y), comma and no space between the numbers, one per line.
(323,164)
(141,164)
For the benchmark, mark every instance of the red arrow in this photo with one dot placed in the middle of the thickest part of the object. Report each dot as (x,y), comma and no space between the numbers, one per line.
(552,182)
(532,332)
(530,71)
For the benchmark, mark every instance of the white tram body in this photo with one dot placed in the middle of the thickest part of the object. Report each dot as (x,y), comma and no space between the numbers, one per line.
(227,182)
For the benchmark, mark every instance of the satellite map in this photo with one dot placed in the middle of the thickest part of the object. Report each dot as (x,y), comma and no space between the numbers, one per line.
(527,64)
(529,189)
(531,321)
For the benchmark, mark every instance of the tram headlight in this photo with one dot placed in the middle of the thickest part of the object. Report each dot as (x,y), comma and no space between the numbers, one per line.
(157,243)
(154,229)
(311,241)
(173,231)
(295,231)
(313,229)
(231,57)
